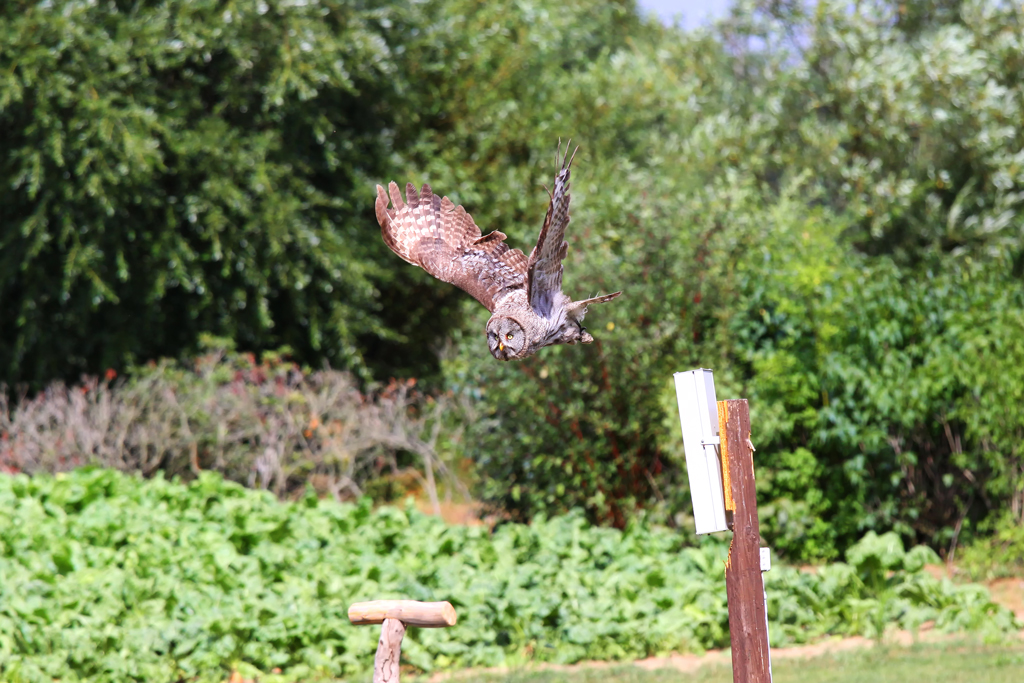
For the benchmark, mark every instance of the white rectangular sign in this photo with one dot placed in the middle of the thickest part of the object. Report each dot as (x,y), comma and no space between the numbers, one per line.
(698,416)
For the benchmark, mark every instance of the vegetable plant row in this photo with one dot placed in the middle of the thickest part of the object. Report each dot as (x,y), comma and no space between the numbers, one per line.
(108,577)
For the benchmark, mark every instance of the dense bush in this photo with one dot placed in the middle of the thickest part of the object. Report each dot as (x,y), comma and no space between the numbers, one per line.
(884,368)
(268,425)
(105,577)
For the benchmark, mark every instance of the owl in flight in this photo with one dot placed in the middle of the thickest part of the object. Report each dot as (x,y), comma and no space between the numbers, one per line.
(524,295)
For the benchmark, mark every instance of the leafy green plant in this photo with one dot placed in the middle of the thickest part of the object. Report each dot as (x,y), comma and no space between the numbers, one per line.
(999,555)
(108,577)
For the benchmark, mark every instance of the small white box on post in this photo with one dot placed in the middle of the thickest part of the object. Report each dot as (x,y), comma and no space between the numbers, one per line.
(698,415)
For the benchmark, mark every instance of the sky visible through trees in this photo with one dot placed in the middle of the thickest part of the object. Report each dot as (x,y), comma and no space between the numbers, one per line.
(694,12)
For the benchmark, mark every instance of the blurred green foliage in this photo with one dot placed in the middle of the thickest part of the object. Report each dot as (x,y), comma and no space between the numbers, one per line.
(106,577)
(996,556)
(821,202)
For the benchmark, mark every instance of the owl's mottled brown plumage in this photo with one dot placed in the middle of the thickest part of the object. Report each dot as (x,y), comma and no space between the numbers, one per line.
(525,296)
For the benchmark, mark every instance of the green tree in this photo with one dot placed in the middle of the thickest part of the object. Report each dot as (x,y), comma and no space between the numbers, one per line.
(810,203)
(173,168)
(859,345)
(991,366)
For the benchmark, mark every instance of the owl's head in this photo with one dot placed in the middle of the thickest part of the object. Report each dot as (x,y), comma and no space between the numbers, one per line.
(506,338)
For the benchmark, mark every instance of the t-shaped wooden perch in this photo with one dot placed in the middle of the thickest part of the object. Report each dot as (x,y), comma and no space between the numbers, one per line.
(395,615)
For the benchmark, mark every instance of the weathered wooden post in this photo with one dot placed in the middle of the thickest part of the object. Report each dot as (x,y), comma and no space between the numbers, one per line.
(395,615)
(720,465)
(748,616)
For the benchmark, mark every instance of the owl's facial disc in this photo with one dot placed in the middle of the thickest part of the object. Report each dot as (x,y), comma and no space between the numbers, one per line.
(505,338)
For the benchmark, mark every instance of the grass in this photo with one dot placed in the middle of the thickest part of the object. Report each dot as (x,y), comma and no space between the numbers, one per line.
(957,662)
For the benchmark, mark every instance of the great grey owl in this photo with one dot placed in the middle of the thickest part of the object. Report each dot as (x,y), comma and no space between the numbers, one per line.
(529,310)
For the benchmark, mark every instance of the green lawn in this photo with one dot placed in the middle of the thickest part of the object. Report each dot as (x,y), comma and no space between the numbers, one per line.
(959,662)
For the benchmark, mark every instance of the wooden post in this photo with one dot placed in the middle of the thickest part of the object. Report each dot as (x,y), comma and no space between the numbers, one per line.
(748,626)
(395,615)
(389,652)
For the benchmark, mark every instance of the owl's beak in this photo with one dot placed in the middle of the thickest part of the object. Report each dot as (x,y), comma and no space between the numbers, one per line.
(501,347)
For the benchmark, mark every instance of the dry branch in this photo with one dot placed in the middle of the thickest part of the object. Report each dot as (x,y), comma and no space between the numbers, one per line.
(266,425)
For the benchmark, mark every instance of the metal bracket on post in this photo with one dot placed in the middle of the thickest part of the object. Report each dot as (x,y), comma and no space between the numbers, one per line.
(699,422)
(766,565)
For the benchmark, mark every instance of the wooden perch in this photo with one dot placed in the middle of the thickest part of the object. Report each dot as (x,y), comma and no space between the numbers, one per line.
(395,615)
(409,612)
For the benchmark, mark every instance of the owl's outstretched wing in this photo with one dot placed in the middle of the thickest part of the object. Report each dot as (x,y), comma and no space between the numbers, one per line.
(434,234)
(544,271)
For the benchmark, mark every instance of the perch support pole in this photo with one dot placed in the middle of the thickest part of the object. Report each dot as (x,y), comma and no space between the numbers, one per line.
(395,616)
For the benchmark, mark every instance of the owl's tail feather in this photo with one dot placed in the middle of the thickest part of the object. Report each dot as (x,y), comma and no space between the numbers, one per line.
(597,299)
(578,309)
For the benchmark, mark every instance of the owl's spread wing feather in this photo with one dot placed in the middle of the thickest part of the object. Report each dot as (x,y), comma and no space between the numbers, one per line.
(433,233)
(544,274)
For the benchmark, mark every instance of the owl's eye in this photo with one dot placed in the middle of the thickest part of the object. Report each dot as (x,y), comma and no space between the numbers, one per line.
(509,336)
